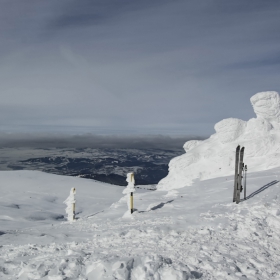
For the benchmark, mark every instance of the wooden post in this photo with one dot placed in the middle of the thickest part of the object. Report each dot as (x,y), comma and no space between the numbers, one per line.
(131,202)
(128,191)
(74,205)
(131,195)
(73,211)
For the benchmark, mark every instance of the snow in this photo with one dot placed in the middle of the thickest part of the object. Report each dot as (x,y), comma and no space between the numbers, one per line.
(187,229)
(191,144)
(214,157)
(70,202)
(230,129)
(190,233)
(34,197)
(267,105)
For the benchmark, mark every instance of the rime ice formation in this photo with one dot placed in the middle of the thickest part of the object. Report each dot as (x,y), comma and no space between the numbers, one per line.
(215,156)
(191,144)
(70,200)
(229,129)
(266,105)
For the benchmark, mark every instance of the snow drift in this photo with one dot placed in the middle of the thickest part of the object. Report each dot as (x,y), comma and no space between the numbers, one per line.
(215,156)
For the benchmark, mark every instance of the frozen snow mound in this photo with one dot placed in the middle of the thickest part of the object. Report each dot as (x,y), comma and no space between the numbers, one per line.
(215,157)
(267,105)
(229,129)
(191,144)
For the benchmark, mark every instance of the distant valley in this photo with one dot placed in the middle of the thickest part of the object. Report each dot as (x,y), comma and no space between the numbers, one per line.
(105,165)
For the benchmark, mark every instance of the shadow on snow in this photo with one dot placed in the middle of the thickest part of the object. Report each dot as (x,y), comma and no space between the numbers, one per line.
(157,206)
(261,189)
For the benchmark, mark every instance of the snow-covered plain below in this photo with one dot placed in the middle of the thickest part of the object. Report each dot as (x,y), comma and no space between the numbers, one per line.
(188,228)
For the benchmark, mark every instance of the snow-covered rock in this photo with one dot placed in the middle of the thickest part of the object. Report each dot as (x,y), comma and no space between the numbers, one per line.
(215,156)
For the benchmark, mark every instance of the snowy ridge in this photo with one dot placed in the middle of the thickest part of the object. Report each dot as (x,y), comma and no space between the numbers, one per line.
(214,157)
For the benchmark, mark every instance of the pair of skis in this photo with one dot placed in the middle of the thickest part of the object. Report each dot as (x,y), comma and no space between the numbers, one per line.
(239,169)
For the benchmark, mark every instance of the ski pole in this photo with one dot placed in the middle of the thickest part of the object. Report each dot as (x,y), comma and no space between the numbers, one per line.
(242,177)
(245,175)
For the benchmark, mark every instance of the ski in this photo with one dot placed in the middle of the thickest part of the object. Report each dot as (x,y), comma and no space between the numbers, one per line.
(239,179)
(236,172)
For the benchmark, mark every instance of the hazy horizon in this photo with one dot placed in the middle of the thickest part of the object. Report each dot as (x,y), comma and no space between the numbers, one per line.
(59,140)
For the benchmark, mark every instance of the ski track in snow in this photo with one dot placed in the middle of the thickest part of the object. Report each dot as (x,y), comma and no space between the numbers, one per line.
(191,233)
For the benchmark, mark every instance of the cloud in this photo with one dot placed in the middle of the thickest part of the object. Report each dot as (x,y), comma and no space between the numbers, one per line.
(91,12)
(141,66)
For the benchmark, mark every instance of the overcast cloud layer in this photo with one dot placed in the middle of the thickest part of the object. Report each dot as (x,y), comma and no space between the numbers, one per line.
(149,66)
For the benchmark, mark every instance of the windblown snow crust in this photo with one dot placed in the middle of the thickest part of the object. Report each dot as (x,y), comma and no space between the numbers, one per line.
(215,156)
(189,233)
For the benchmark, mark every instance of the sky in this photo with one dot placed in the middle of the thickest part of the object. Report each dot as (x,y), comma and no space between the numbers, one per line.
(172,67)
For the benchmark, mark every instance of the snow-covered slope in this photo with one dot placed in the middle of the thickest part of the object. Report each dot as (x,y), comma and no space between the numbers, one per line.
(190,233)
(215,156)
(33,198)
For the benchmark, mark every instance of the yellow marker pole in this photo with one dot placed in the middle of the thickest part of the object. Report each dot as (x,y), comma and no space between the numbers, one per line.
(131,202)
